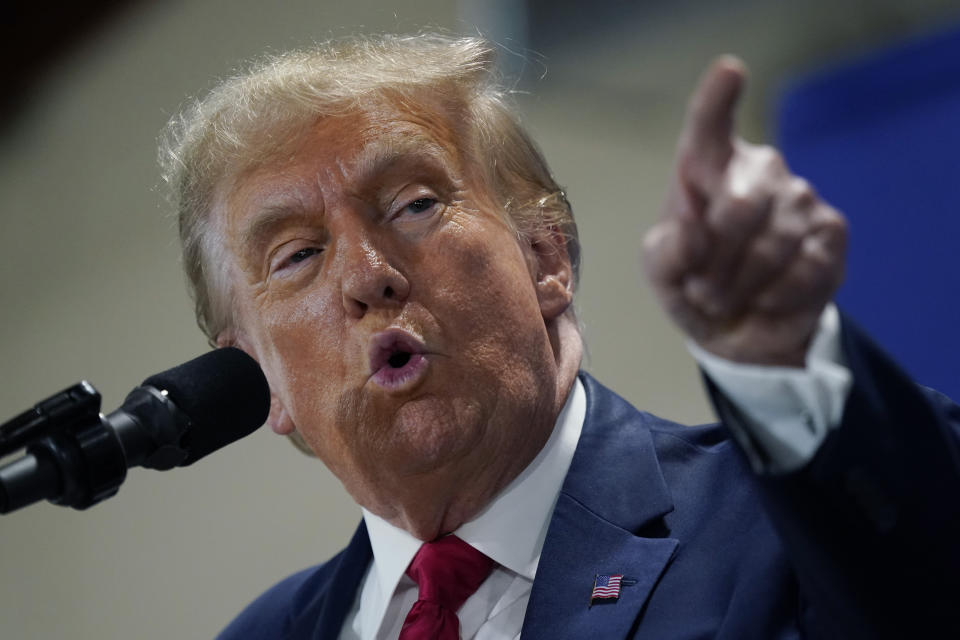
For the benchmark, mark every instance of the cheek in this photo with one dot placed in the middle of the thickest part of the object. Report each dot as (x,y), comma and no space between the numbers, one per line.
(302,350)
(482,265)
(496,297)
(491,308)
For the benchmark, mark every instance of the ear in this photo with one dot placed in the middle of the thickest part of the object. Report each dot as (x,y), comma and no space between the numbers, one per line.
(278,419)
(553,273)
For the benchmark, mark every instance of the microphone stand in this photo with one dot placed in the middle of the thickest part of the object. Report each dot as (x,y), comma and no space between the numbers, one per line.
(73,458)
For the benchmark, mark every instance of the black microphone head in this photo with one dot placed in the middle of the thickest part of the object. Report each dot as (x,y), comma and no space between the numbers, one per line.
(223,392)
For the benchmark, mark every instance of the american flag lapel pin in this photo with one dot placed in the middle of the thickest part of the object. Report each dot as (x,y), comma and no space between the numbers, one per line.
(606,587)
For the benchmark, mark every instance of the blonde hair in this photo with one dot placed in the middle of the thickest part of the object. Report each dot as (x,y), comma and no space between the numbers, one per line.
(249,118)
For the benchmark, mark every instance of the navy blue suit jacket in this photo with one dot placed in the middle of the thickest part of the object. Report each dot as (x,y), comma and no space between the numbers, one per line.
(861,543)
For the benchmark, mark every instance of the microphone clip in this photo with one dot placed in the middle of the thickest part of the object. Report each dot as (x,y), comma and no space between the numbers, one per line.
(73,458)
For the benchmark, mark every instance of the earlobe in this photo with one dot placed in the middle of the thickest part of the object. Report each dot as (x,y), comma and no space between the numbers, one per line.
(555,297)
(278,419)
(228,338)
(554,275)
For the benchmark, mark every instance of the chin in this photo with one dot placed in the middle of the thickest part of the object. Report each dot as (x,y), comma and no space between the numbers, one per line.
(428,436)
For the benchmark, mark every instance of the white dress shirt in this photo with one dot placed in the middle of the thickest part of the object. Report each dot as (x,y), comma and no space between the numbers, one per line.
(791,412)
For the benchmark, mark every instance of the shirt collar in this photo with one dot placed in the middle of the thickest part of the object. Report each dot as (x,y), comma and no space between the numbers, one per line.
(511,529)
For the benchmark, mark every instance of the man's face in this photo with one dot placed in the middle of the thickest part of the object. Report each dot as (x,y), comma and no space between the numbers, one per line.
(396,315)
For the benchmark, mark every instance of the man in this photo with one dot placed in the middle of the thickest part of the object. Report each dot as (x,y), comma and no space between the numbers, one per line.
(371,224)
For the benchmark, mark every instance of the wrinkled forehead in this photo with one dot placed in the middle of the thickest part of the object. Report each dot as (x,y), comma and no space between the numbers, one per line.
(382,142)
(348,146)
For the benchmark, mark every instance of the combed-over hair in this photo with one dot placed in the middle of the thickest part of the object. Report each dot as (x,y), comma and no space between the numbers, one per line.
(250,117)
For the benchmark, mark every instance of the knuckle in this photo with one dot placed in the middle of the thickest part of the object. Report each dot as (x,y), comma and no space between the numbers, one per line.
(816,254)
(653,239)
(770,158)
(737,209)
(837,224)
(789,232)
(666,252)
(835,230)
(801,193)
(652,251)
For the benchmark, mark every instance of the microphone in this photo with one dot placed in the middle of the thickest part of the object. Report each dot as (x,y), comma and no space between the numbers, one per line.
(76,457)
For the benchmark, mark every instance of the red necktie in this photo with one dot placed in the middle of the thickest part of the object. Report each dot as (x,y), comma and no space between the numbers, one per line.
(447,571)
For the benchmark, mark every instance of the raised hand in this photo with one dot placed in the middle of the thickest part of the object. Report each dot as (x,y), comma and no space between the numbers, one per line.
(746,255)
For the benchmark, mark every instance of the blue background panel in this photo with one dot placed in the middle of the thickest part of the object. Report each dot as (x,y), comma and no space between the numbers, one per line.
(880,139)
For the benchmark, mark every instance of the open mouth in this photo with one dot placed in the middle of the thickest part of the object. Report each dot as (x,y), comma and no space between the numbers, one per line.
(397,359)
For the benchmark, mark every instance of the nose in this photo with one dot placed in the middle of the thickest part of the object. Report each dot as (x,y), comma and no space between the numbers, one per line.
(369,279)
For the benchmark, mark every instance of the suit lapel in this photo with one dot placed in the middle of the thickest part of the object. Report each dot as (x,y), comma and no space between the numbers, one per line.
(613,491)
(335,601)
(579,546)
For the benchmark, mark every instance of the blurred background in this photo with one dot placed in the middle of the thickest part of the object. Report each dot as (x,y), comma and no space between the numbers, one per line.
(91,286)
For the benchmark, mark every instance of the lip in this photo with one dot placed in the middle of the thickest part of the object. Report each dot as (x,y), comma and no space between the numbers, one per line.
(383,346)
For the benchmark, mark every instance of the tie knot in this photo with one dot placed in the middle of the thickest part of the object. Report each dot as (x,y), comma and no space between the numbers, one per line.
(447,571)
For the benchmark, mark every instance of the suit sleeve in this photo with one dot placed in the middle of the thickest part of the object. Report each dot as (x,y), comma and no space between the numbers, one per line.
(872,522)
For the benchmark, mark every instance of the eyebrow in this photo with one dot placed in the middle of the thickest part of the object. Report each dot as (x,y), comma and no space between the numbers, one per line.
(385,152)
(265,225)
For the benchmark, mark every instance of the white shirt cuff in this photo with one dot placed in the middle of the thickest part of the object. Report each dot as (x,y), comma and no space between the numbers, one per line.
(789,411)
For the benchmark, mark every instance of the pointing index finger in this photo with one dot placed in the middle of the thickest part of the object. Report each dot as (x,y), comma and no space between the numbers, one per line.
(706,142)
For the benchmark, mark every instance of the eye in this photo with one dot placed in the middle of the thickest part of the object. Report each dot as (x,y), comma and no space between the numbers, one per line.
(303,254)
(421,205)
(285,264)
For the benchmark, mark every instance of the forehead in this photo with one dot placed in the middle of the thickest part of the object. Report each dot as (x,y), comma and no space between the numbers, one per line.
(346,150)
(359,141)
